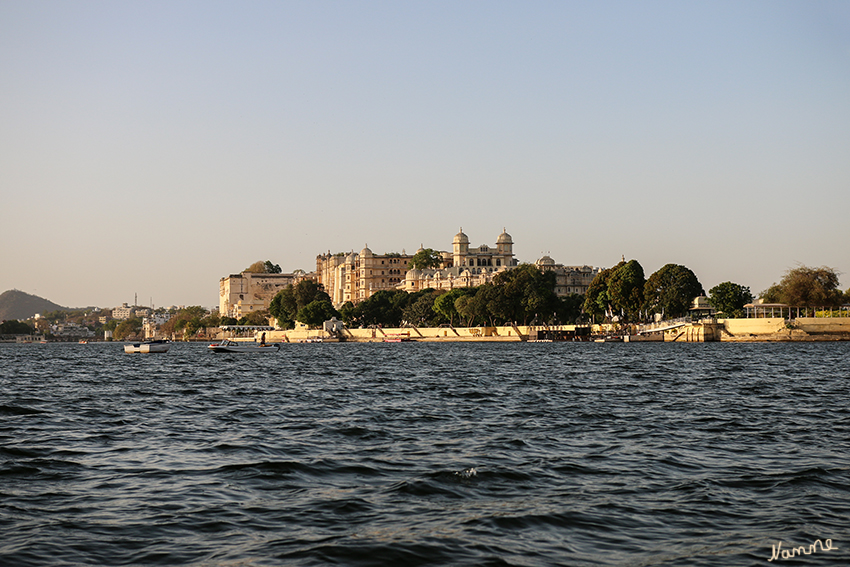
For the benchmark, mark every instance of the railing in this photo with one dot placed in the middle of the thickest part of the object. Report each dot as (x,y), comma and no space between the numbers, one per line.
(649,327)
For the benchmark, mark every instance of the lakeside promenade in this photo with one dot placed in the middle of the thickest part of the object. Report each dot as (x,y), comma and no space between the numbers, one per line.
(804,329)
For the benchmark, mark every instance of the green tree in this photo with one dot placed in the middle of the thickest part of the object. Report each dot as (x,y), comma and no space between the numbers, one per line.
(522,295)
(127,327)
(384,308)
(425,258)
(445,304)
(569,310)
(626,288)
(729,298)
(420,311)
(317,312)
(256,318)
(286,304)
(15,327)
(350,314)
(773,294)
(671,290)
(469,309)
(258,267)
(811,287)
(597,300)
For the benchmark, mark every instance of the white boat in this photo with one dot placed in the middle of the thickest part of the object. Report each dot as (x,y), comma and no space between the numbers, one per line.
(232,346)
(148,346)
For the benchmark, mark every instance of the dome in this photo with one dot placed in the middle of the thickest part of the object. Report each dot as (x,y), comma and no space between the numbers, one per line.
(365,252)
(504,238)
(546,261)
(460,238)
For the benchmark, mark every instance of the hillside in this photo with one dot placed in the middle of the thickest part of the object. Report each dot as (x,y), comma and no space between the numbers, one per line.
(15,304)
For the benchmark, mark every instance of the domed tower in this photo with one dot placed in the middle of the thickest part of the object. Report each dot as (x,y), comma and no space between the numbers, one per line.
(505,243)
(460,248)
(505,247)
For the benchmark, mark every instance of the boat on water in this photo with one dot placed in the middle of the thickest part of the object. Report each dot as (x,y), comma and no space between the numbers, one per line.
(397,338)
(148,347)
(233,346)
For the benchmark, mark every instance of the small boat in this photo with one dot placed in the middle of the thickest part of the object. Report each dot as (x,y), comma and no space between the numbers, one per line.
(232,346)
(397,338)
(148,346)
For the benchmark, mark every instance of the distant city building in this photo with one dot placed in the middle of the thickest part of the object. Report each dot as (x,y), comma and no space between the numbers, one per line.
(71,331)
(241,294)
(464,266)
(356,277)
(123,312)
(152,323)
(569,280)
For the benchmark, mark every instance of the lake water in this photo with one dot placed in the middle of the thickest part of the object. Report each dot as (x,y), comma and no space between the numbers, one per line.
(425,454)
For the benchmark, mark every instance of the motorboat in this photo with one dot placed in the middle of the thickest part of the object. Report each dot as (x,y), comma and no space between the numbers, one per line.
(233,346)
(148,346)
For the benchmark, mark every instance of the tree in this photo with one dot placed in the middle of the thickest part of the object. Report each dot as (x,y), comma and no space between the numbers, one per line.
(425,258)
(349,314)
(384,308)
(15,328)
(445,304)
(671,290)
(284,307)
(317,312)
(729,298)
(420,310)
(127,327)
(468,307)
(522,295)
(597,300)
(626,288)
(286,304)
(257,318)
(773,294)
(260,267)
(811,287)
(569,310)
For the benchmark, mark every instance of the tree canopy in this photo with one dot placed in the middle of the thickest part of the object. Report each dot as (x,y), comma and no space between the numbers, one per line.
(288,304)
(425,258)
(15,328)
(127,328)
(671,290)
(618,290)
(729,298)
(626,290)
(806,287)
(260,267)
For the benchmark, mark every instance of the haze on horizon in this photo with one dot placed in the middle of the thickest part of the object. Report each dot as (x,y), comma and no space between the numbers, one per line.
(154,147)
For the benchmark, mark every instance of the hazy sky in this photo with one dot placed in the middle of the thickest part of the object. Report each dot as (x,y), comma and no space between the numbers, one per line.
(152,148)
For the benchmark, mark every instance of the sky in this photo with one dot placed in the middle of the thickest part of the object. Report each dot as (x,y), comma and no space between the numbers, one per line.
(150,148)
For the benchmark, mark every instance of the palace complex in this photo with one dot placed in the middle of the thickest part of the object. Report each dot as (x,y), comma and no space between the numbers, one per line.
(357,276)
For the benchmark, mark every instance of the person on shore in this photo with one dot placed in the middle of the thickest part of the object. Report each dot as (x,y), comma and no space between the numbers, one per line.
(263,339)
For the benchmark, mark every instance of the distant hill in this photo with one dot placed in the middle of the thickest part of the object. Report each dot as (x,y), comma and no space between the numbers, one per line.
(19,305)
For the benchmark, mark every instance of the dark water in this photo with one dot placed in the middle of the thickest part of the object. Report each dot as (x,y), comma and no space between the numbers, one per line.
(422,454)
